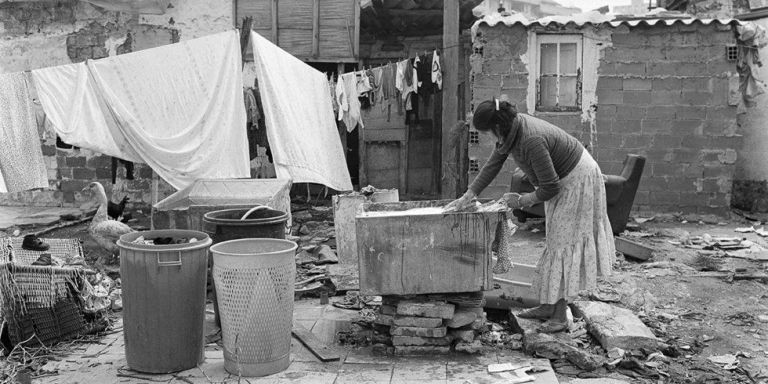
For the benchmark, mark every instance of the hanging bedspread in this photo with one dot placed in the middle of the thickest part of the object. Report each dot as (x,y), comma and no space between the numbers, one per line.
(299,118)
(22,166)
(179,108)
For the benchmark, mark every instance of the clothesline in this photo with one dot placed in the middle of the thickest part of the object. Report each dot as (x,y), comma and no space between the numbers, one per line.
(397,82)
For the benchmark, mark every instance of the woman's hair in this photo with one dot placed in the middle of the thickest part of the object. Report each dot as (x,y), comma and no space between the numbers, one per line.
(495,116)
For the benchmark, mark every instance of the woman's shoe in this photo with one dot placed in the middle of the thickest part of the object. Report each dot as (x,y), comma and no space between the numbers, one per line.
(544,311)
(553,327)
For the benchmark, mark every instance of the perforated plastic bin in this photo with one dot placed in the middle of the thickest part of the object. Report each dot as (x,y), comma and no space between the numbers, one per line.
(254,286)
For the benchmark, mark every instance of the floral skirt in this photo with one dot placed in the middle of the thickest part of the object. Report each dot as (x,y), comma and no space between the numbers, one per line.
(579,246)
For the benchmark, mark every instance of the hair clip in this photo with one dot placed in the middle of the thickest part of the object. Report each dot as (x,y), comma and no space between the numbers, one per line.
(497,103)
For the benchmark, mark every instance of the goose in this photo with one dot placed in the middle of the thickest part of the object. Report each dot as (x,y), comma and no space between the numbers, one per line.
(104,231)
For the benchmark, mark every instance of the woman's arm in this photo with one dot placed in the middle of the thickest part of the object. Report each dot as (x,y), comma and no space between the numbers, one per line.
(489,172)
(535,151)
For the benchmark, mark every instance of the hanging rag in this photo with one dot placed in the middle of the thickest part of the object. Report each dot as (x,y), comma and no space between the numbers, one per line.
(178,107)
(349,101)
(378,74)
(299,118)
(251,107)
(751,38)
(388,81)
(21,156)
(437,70)
(502,244)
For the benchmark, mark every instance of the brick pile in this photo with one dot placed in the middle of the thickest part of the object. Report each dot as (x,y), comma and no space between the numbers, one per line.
(432,324)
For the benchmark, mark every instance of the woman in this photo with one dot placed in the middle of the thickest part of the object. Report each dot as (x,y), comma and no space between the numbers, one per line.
(579,245)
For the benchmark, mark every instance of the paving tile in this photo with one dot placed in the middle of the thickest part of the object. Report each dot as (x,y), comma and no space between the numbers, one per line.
(335,313)
(301,353)
(366,356)
(423,372)
(459,373)
(364,374)
(326,329)
(307,378)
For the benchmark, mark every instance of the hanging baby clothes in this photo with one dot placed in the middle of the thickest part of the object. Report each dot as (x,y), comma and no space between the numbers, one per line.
(299,117)
(388,81)
(424,71)
(21,156)
(349,102)
(437,70)
(378,74)
(363,89)
(177,107)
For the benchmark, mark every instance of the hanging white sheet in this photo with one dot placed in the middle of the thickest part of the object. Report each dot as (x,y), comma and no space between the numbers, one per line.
(178,108)
(299,116)
(22,166)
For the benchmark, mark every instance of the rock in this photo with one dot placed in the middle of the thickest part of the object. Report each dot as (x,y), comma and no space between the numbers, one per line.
(383,319)
(616,353)
(412,340)
(420,322)
(381,349)
(551,348)
(388,309)
(763,318)
(418,332)
(478,325)
(470,347)
(602,380)
(325,255)
(421,350)
(414,308)
(462,335)
(461,318)
(616,327)
(303,215)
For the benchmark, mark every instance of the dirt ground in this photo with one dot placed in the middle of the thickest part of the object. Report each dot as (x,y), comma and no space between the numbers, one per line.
(691,299)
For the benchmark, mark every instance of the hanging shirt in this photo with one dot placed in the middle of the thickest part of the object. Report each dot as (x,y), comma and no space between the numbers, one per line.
(378,74)
(388,89)
(424,71)
(178,107)
(22,166)
(349,102)
(437,71)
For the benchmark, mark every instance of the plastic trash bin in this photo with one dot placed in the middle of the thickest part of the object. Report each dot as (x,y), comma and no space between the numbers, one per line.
(163,300)
(254,284)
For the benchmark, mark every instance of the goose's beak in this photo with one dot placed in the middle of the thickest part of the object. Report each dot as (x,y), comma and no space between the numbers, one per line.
(86,189)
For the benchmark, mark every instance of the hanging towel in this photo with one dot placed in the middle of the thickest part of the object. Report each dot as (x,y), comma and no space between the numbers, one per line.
(388,81)
(299,118)
(349,101)
(21,156)
(179,108)
(437,70)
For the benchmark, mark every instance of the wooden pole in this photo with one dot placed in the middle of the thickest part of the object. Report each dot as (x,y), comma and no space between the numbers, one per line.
(316,29)
(274,23)
(450,64)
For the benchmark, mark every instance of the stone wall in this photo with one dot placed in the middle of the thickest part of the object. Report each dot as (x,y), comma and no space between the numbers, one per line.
(666,92)
(44,34)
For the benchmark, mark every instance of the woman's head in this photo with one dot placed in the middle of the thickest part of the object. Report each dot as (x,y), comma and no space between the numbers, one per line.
(494,116)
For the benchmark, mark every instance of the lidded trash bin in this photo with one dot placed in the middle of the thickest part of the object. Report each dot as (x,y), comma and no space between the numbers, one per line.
(254,284)
(163,289)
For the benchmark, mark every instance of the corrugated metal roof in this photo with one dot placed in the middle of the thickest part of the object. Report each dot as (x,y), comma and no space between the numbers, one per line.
(592,18)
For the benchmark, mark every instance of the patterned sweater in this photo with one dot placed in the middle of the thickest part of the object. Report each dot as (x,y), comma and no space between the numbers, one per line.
(543,151)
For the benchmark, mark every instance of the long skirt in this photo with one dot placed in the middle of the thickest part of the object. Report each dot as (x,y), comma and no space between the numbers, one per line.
(579,246)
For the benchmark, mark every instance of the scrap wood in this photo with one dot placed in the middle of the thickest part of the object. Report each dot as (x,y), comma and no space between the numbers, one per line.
(322,351)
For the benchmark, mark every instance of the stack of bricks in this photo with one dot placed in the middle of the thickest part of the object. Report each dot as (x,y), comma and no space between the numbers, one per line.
(432,324)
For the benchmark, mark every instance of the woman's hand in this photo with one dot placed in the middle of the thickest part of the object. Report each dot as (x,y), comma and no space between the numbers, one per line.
(512,200)
(462,203)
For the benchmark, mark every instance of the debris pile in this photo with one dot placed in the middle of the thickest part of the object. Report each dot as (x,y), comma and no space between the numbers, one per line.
(432,324)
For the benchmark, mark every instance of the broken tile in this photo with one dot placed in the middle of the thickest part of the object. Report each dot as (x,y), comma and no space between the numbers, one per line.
(615,327)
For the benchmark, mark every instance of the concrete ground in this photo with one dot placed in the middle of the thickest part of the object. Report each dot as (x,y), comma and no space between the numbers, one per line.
(104,362)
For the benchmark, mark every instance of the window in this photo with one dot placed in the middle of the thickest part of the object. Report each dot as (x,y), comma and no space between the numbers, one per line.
(558,86)
(732,52)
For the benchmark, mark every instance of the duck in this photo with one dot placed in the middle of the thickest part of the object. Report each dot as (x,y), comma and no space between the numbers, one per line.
(105,231)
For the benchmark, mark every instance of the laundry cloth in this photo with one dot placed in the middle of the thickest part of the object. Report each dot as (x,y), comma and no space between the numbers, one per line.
(437,70)
(300,123)
(179,108)
(21,157)
(349,101)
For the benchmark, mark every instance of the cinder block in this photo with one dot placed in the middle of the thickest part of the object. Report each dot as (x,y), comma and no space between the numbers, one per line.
(421,350)
(610,97)
(487,80)
(425,309)
(498,65)
(654,126)
(637,97)
(698,84)
(630,112)
(626,126)
(641,141)
(419,341)
(630,69)
(665,98)
(73,185)
(419,322)
(681,184)
(667,84)
(661,141)
(665,197)
(687,127)
(610,82)
(662,69)
(637,84)
(696,98)
(606,111)
(418,332)
(684,155)
(691,113)
(654,183)
(388,309)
